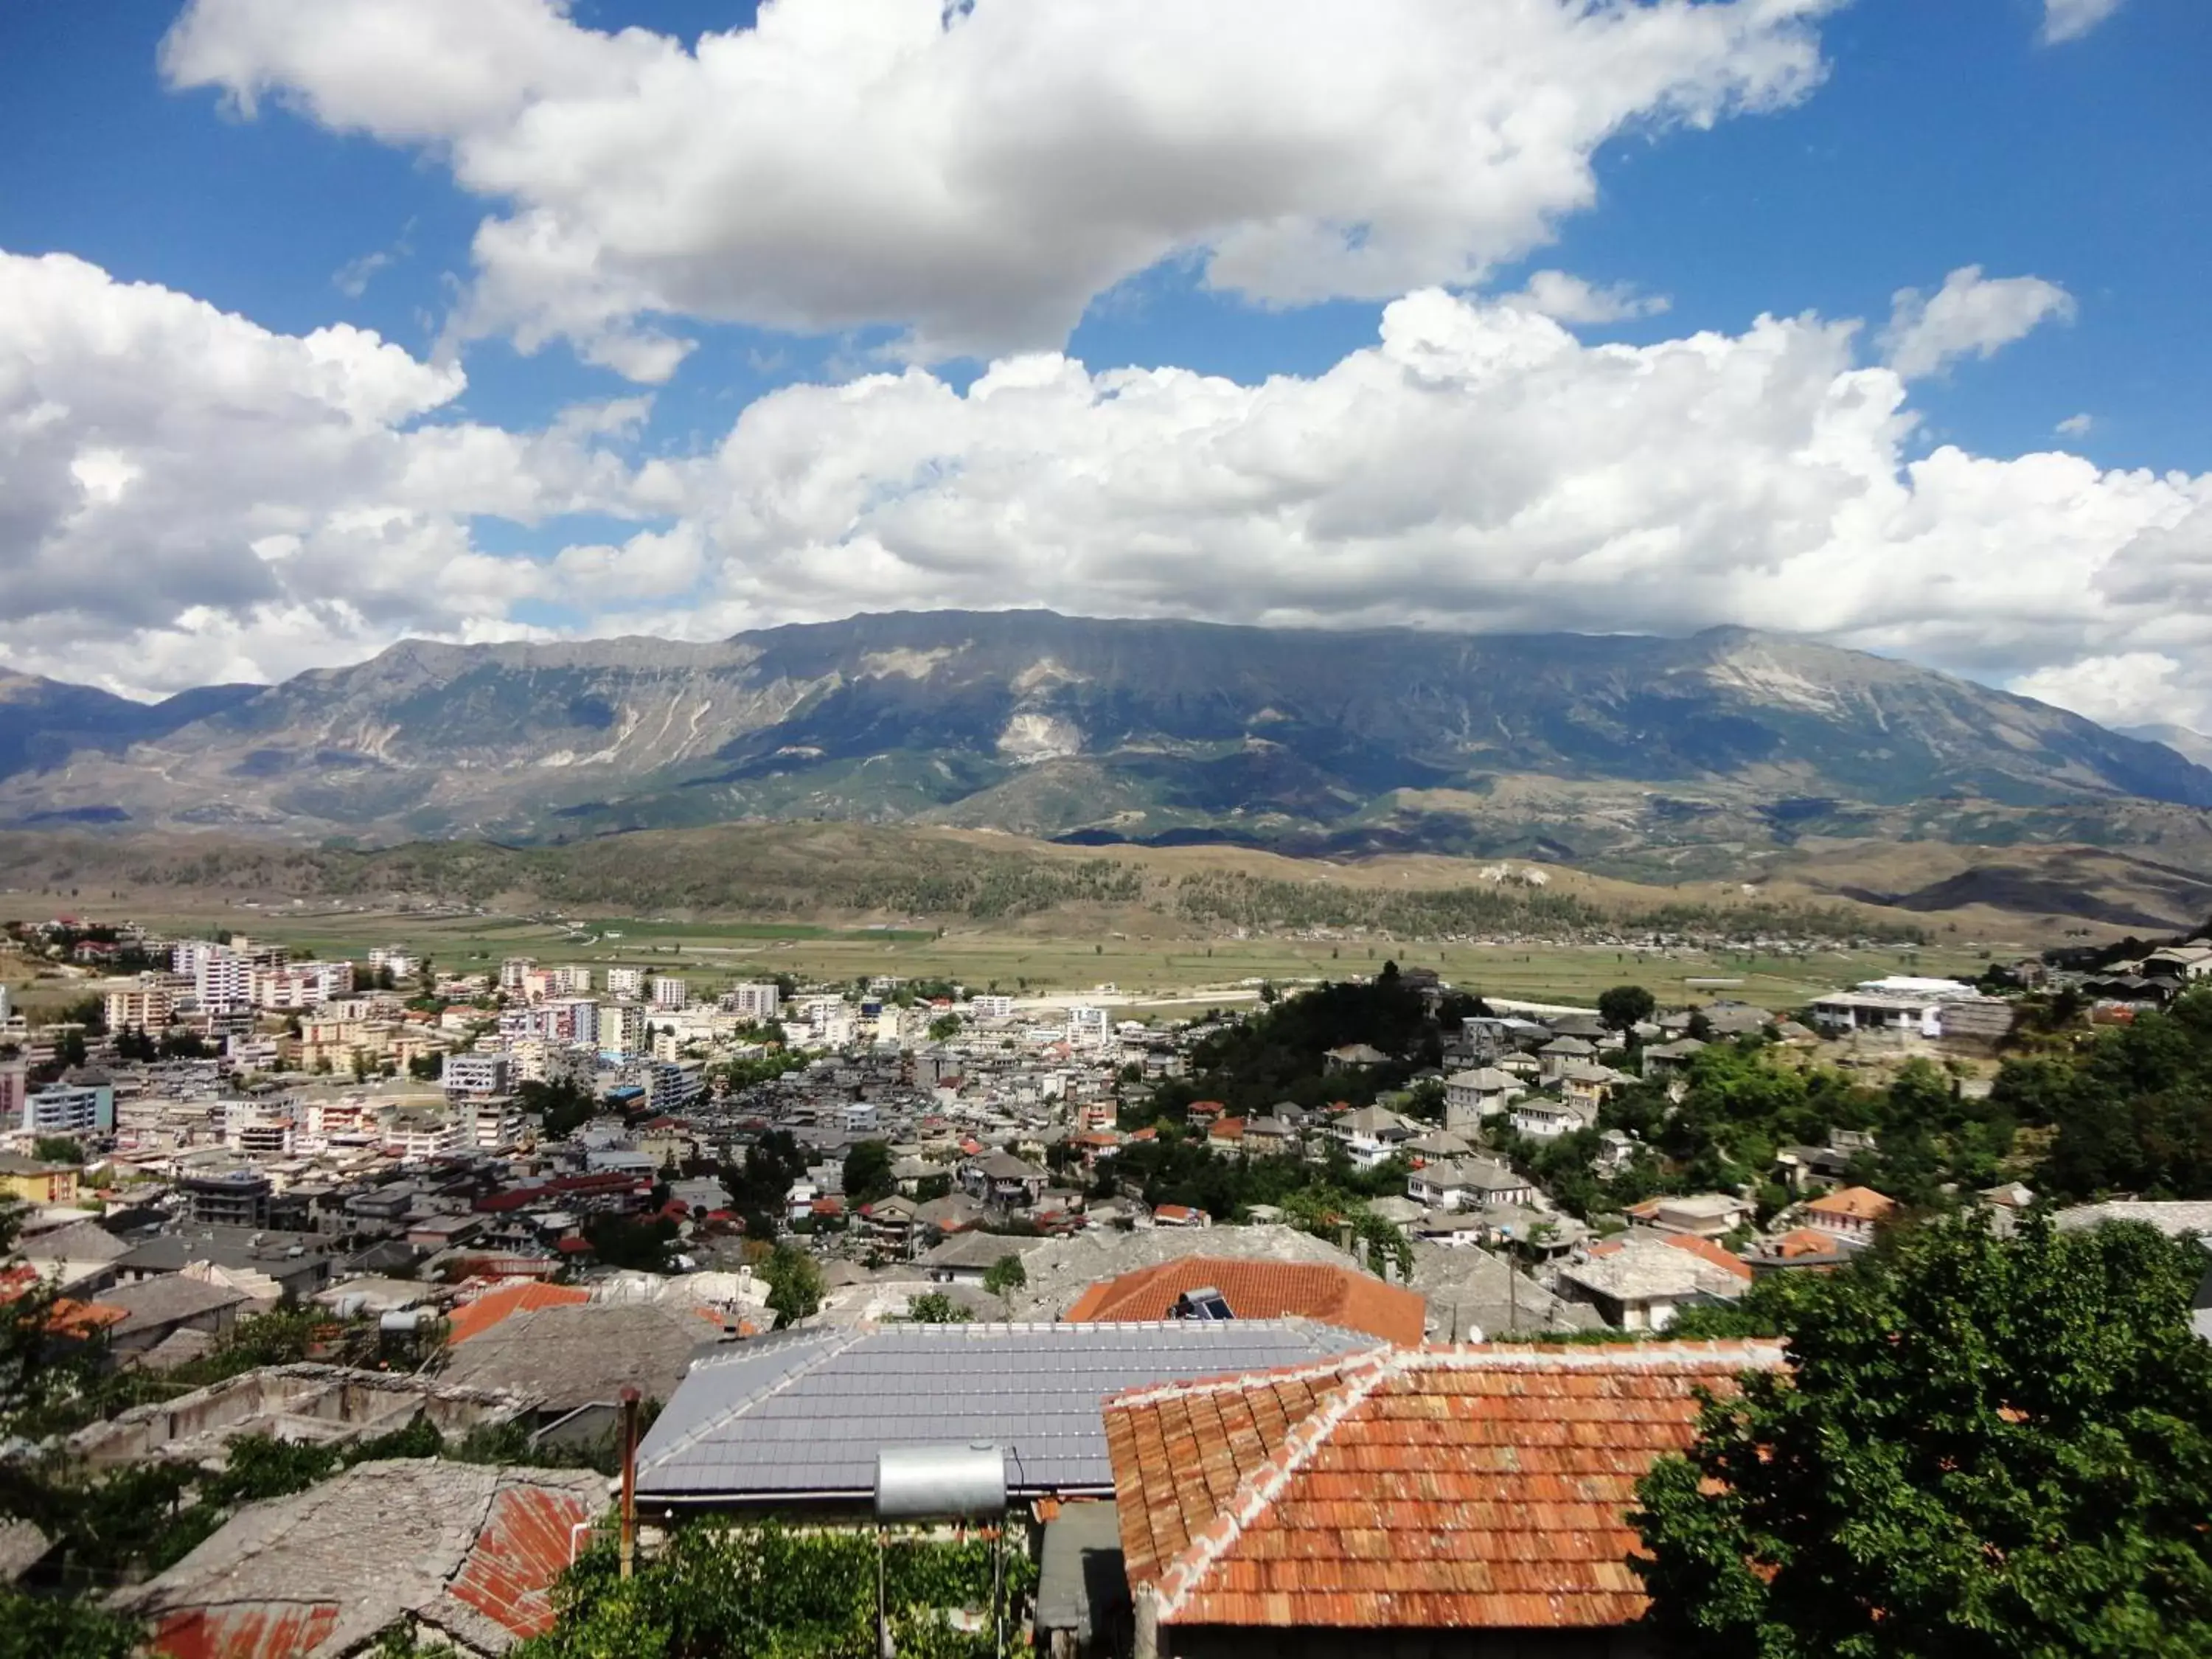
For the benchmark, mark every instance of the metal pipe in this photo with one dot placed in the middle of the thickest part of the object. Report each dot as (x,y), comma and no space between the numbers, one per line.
(629,1480)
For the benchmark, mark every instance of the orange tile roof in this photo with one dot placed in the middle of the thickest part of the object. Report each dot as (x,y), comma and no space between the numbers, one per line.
(1484,1486)
(1343,1297)
(474,1318)
(1228,1128)
(1722,1257)
(1859,1203)
(1802,1241)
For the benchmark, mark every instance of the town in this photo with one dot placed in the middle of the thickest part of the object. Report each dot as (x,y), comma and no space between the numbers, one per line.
(345,1214)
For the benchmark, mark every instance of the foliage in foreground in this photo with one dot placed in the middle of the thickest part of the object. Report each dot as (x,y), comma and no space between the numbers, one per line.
(770,1593)
(1982,1449)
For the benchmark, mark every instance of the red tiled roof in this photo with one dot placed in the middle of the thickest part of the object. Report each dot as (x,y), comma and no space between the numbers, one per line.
(1718,1254)
(1426,1488)
(255,1631)
(475,1318)
(1802,1241)
(1343,1297)
(1228,1128)
(1859,1203)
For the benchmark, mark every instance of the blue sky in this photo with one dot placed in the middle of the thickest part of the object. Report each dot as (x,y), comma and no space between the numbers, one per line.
(1902,143)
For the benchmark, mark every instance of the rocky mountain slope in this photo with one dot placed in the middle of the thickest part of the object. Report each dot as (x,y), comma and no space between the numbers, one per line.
(1559,744)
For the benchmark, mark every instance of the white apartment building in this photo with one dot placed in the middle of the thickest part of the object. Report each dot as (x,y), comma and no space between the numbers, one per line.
(1089,1028)
(344,1118)
(754,1002)
(412,1136)
(670,993)
(570,982)
(991,1007)
(300,986)
(514,970)
(495,1124)
(261,1127)
(622,1030)
(626,982)
(476,1074)
(221,979)
(404,963)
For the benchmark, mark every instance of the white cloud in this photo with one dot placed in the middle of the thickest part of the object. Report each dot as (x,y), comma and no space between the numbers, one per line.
(192,497)
(1970,315)
(189,494)
(2135,687)
(2070,19)
(977,175)
(1478,468)
(1568,298)
(2077,426)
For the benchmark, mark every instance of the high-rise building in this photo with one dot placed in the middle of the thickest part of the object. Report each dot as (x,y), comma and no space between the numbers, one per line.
(625,982)
(760,1002)
(670,993)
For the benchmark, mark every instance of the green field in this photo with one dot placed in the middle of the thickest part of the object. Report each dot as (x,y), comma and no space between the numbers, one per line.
(1166,969)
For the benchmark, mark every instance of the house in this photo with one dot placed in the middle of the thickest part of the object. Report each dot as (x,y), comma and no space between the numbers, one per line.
(795,1419)
(472,1319)
(1668,1059)
(2005,1205)
(1473,1096)
(1700,1215)
(1271,1137)
(966,1258)
(1353,1057)
(81,1255)
(1541,1119)
(33,1181)
(575,1360)
(1801,1248)
(1180,1215)
(1226,1138)
(468,1552)
(1588,1086)
(1343,1297)
(1851,1213)
(1640,1283)
(155,1308)
(1443,1502)
(1467,1184)
(1371,1134)
(1001,1178)
(1559,1053)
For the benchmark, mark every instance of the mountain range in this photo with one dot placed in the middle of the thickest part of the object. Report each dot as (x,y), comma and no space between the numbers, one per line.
(1637,751)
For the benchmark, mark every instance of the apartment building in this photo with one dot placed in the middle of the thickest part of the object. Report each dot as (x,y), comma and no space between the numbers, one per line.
(670,993)
(754,1001)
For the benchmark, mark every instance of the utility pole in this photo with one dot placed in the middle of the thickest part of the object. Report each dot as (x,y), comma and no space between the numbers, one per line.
(628,1480)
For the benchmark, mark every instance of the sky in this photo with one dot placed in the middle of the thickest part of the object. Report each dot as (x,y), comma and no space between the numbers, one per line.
(1882,322)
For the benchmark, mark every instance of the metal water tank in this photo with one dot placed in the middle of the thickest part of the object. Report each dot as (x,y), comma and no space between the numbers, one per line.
(941,1483)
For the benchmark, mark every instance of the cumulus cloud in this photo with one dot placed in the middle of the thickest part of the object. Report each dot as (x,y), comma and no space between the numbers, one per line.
(975,175)
(1478,467)
(190,494)
(1970,315)
(193,497)
(2070,19)
(1568,298)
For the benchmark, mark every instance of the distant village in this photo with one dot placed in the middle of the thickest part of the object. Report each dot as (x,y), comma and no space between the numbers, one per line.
(816,1227)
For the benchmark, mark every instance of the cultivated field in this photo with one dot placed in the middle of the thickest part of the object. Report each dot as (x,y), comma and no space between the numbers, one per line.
(1170,972)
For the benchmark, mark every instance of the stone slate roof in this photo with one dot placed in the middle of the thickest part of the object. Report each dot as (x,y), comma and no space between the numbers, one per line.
(801,1414)
(585,1354)
(1420,1488)
(470,1550)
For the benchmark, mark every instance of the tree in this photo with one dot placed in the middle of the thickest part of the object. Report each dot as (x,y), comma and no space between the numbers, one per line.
(1625,1005)
(935,1308)
(1006,1276)
(868,1172)
(944,1028)
(57,1149)
(794,1284)
(1981,1448)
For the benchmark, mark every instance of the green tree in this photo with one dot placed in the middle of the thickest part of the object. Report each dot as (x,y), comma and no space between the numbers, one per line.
(1006,1276)
(935,1308)
(794,1283)
(868,1172)
(1981,1448)
(944,1028)
(1625,1005)
(57,1149)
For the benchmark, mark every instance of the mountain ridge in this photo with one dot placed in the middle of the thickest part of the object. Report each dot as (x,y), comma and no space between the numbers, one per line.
(1079,728)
